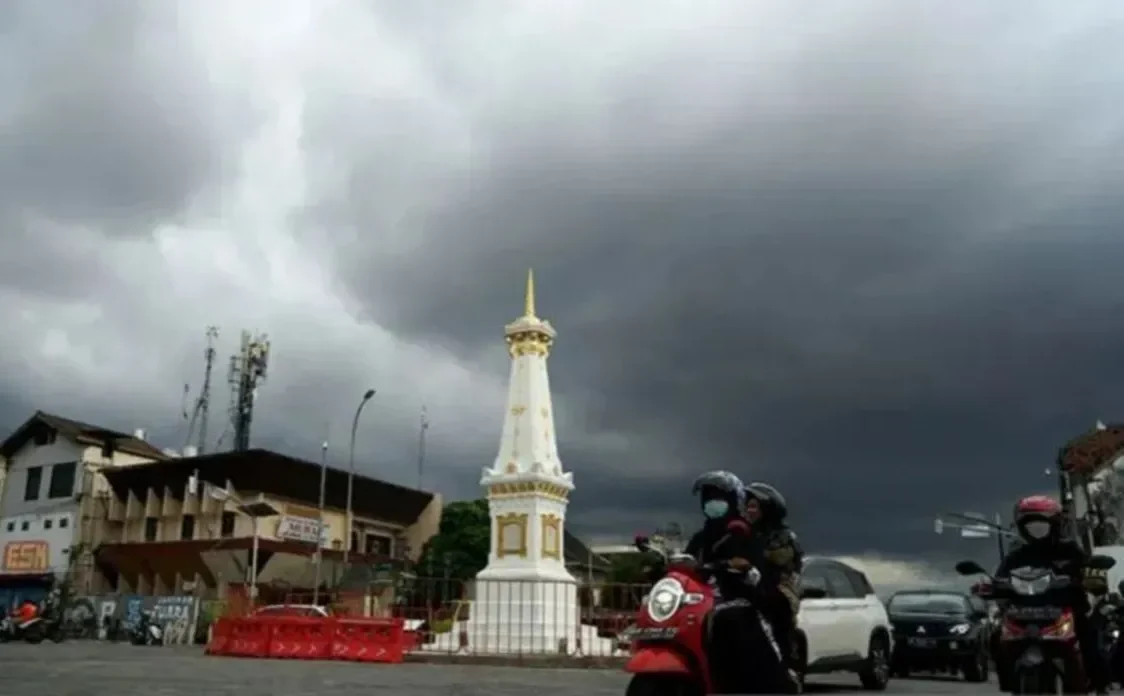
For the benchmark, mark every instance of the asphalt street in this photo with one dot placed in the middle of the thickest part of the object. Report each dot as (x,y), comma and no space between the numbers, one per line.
(109,669)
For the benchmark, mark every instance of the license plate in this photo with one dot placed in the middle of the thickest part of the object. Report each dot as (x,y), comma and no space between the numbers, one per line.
(922,642)
(651,633)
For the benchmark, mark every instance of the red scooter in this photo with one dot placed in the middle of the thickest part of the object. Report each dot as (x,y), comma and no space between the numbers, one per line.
(669,639)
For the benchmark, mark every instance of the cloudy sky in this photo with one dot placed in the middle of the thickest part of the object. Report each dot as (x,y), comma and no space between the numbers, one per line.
(868,251)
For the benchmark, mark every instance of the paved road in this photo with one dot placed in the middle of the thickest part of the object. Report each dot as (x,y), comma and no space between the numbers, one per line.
(107,669)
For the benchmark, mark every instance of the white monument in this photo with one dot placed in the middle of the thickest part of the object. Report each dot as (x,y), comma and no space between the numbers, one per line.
(525,600)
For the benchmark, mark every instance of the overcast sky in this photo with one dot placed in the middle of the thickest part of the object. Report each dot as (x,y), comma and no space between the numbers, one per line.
(867,251)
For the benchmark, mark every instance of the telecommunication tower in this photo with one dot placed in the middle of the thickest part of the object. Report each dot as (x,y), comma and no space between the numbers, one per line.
(197,427)
(247,370)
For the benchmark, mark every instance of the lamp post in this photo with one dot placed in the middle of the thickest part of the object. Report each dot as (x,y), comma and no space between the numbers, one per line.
(975,527)
(367,396)
(320,527)
(254,510)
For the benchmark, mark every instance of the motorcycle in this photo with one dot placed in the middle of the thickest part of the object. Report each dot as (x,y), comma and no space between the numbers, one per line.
(1037,630)
(669,640)
(147,631)
(33,630)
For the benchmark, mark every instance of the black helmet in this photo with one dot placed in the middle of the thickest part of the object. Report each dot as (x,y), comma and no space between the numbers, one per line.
(774,508)
(723,482)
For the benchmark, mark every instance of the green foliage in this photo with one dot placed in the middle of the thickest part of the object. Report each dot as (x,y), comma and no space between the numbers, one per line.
(460,549)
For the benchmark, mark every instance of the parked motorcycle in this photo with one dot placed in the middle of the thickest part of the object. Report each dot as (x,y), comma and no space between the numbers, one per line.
(34,630)
(147,631)
(1037,628)
(669,641)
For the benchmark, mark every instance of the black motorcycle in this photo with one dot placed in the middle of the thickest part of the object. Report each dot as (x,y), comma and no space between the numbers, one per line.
(147,631)
(1038,631)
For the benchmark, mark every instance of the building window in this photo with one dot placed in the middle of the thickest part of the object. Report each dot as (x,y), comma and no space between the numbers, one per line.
(11,526)
(151,526)
(48,523)
(62,480)
(24,526)
(64,522)
(44,437)
(227,529)
(33,483)
(377,545)
(187,528)
(354,542)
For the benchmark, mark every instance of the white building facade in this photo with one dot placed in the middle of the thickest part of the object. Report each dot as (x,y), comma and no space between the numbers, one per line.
(49,469)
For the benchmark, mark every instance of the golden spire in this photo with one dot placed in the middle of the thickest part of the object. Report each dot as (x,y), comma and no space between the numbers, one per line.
(529,299)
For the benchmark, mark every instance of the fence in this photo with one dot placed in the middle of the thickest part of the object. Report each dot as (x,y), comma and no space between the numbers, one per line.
(507,617)
(441,616)
(112,616)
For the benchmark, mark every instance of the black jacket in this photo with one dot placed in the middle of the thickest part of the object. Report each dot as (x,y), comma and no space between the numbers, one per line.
(1065,558)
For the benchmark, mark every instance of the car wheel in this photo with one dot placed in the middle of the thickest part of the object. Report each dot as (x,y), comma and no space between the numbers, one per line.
(875,673)
(976,668)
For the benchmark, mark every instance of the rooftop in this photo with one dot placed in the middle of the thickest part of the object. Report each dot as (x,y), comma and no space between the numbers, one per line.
(272,473)
(83,433)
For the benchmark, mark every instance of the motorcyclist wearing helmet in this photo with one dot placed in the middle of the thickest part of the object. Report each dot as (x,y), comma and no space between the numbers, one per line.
(767,511)
(722,497)
(1040,522)
(726,540)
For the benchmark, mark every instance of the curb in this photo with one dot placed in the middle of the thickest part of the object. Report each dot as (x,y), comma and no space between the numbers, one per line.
(532,661)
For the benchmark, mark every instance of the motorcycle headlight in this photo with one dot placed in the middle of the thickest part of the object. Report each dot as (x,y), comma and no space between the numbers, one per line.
(664,599)
(1031,586)
(960,629)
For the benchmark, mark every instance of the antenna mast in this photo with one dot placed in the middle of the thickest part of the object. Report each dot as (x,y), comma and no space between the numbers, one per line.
(424,426)
(200,412)
(247,370)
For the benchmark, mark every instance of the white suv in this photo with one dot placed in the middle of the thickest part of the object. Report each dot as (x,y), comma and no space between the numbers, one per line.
(844,626)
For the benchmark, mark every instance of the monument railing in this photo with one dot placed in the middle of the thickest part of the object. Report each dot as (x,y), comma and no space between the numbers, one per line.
(445,616)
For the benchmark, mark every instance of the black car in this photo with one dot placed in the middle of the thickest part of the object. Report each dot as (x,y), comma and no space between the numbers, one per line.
(940,631)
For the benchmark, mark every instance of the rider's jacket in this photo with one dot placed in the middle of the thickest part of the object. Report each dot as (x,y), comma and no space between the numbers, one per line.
(1065,558)
(783,560)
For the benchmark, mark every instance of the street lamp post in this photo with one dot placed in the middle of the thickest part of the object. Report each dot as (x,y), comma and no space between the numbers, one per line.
(320,526)
(971,526)
(253,510)
(367,396)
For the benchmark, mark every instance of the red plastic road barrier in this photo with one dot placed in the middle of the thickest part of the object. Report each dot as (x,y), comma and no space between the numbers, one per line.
(220,636)
(301,637)
(369,640)
(249,637)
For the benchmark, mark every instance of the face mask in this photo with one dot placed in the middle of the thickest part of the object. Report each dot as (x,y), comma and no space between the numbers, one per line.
(1037,529)
(715,509)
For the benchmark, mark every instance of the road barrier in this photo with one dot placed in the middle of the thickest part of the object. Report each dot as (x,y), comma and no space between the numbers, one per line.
(310,638)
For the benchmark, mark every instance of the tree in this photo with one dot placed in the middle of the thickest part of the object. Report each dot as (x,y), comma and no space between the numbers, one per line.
(459,550)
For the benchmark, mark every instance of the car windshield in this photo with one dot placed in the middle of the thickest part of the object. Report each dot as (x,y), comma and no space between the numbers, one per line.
(927,604)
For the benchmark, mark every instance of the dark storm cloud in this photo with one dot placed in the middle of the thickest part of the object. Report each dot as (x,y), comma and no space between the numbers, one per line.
(880,275)
(107,125)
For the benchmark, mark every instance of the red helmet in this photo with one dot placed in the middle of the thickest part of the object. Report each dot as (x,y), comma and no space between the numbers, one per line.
(1038,517)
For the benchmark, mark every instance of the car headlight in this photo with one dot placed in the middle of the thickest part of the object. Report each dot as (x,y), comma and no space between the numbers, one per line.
(1034,586)
(664,599)
(960,629)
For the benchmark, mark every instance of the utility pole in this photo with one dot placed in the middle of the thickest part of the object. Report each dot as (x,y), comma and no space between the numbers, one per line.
(320,527)
(421,445)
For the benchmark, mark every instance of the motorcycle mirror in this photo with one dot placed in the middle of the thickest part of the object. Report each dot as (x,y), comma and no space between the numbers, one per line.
(1099,562)
(969,568)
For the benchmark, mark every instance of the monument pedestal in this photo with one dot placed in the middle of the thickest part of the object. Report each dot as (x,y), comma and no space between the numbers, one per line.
(524,616)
